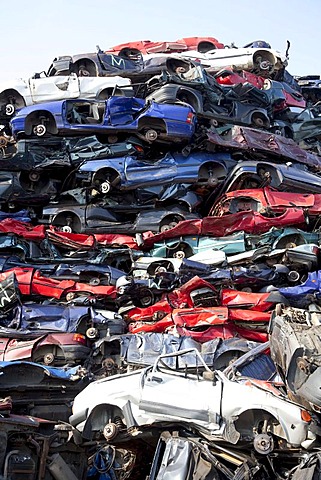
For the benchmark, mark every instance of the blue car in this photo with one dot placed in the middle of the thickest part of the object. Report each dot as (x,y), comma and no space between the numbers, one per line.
(109,119)
(129,172)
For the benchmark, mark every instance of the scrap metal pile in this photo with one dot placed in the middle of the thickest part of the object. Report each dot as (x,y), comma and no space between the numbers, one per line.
(160,300)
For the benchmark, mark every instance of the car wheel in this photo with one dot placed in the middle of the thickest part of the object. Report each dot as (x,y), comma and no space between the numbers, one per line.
(263,443)
(110,431)
(67,222)
(168,225)
(9,110)
(258,120)
(48,358)
(66,229)
(105,187)
(106,180)
(151,135)
(39,130)
(92,333)
(3,141)
(146,298)
(83,72)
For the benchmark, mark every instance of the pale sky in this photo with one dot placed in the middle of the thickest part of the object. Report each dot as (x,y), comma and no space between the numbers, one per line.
(33,33)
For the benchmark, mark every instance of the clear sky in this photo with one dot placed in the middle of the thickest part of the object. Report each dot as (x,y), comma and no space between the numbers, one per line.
(33,33)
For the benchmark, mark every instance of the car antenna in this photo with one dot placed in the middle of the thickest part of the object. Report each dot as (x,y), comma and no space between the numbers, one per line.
(288,43)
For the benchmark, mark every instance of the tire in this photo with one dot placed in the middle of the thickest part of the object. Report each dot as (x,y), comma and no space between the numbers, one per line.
(83,72)
(258,120)
(146,298)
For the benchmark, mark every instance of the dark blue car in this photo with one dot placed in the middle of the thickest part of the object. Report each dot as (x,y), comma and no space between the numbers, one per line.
(129,172)
(109,119)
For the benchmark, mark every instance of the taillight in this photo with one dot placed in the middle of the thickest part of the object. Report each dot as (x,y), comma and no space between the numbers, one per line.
(190,117)
(139,149)
(80,338)
(306,417)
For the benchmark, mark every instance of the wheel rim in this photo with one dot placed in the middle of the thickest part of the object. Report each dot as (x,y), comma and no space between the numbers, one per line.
(39,130)
(151,135)
(263,443)
(105,187)
(66,229)
(110,431)
(10,109)
(48,358)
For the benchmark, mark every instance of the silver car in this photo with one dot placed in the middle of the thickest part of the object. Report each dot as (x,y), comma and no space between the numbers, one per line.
(181,390)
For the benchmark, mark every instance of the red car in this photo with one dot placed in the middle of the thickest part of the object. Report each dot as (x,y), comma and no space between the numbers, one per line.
(204,324)
(201,44)
(227,76)
(218,226)
(266,201)
(31,282)
(50,349)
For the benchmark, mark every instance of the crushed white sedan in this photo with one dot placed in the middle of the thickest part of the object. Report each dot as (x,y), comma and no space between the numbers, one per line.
(180,389)
(41,88)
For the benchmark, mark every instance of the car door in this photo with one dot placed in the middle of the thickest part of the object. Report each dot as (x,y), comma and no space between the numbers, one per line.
(48,89)
(144,172)
(176,397)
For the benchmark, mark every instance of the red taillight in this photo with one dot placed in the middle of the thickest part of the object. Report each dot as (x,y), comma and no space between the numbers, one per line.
(190,117)
(306,417)
(80,338)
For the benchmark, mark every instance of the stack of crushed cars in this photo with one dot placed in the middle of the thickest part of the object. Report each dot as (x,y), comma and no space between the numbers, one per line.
(160,285)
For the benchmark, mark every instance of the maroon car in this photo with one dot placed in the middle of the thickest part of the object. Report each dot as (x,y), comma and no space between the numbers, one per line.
(50,349)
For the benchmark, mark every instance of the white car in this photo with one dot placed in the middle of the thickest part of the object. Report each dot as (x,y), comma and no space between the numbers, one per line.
(262,61)
(192,396)
(39,89)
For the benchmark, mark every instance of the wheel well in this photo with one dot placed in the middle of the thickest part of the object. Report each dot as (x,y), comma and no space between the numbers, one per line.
(265,56)
(204,47)
(172,64)
(87,64)
(99,417)
(108,92)
(259,115)
(129,53)
(40,352)
(104,173)
(67,218)
(292,238)
(168,219)
(251,422)
(188,97)
(149,123)
(211,170)
(152,268)
(180,246)
(35,117)
(12,96)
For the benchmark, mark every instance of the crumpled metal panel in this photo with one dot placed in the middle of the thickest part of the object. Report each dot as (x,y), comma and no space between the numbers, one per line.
(253,140)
